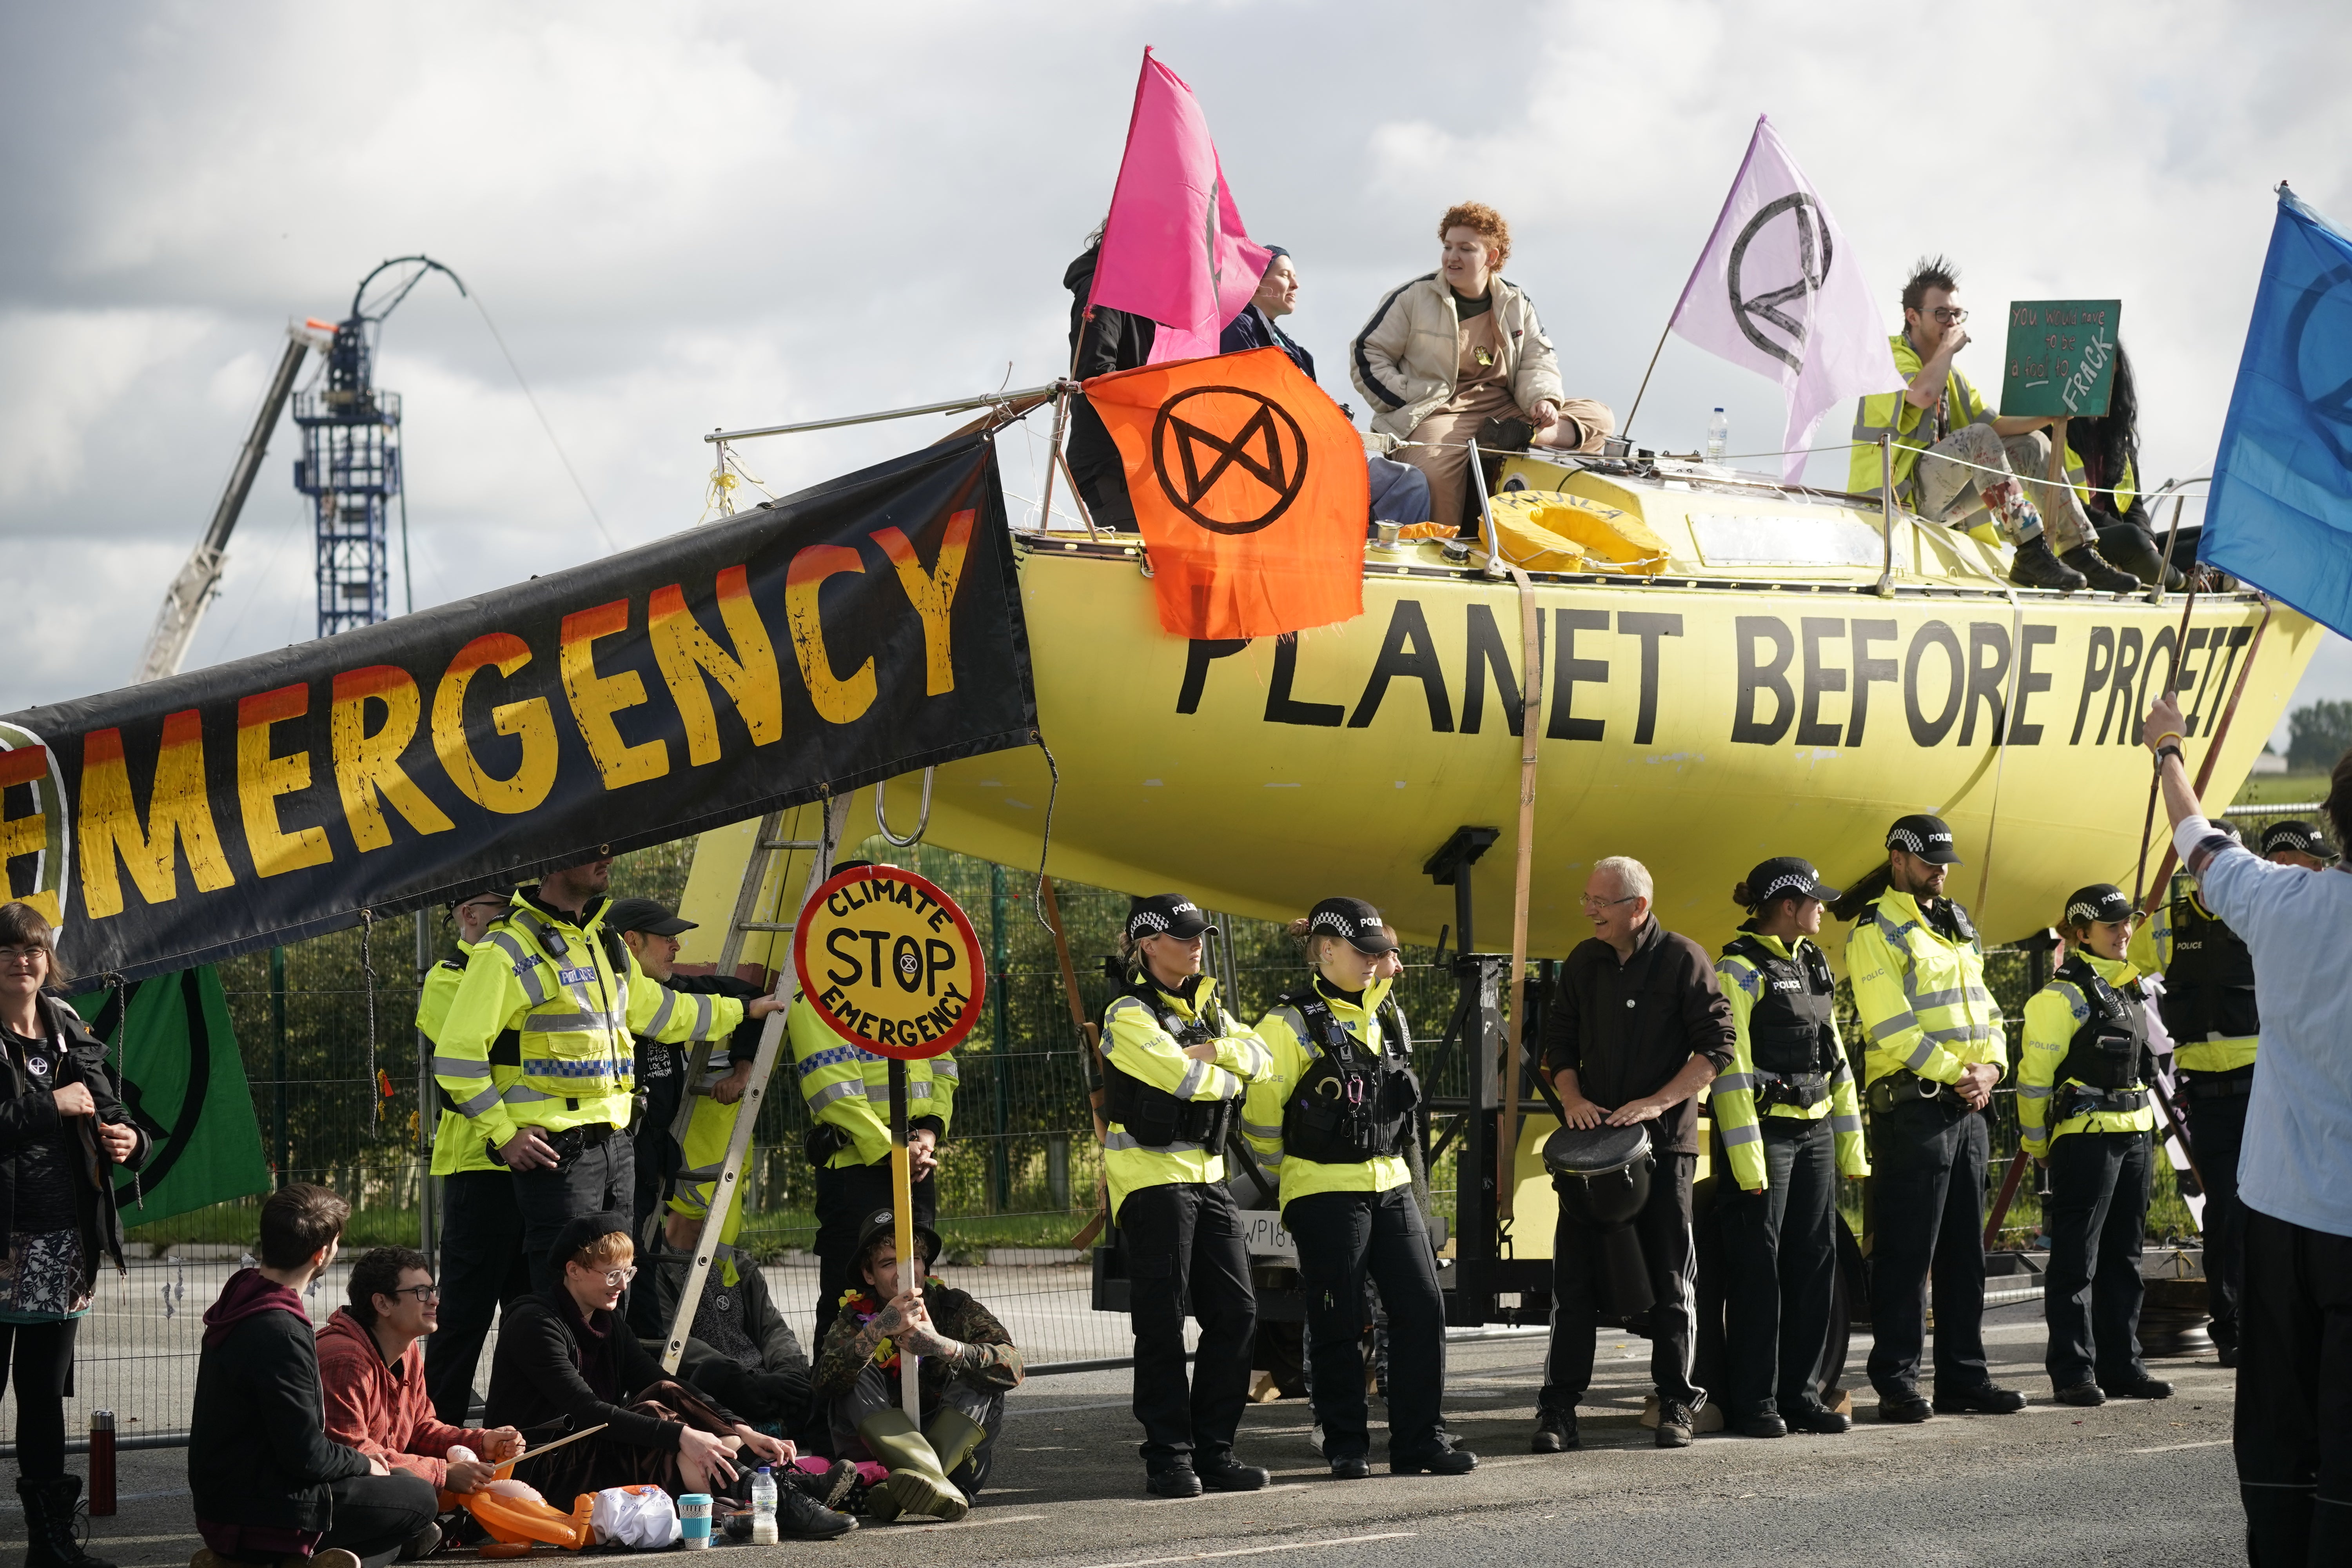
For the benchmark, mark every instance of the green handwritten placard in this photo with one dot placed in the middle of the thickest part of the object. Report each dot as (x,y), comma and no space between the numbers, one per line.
(2061,356)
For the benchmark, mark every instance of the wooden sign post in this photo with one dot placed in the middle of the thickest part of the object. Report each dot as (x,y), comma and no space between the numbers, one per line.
(2061,358)
(889,963)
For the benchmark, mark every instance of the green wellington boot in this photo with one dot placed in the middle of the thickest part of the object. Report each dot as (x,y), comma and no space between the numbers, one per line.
(917,1482)
(954,1435)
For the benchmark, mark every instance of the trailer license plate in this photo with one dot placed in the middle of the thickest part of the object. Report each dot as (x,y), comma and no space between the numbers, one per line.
(1263,1235)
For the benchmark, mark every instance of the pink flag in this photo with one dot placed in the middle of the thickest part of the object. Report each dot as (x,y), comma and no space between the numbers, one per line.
(1780,293)
(1174,249)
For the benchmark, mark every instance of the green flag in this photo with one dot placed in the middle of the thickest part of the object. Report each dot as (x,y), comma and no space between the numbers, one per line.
(183,1083)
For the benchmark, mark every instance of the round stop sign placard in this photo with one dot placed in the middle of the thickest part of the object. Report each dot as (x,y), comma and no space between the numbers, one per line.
(889,961)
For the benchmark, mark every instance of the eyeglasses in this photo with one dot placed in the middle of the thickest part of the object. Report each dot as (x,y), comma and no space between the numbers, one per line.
(1594,906)
(1951,316)
(423,1293)
(616,1277)
(23,955)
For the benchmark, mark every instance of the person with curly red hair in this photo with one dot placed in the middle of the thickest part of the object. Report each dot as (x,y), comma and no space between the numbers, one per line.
(1459,354)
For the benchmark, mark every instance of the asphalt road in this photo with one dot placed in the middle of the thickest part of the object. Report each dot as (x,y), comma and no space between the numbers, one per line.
(2131,1482)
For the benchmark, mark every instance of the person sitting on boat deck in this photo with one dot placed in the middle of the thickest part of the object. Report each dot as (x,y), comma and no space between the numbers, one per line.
(372,1376)
(1934,1055)
(1102,340)
(2082,1113)
(1175,1063)
(266,1481)
(667,1072)
(1787,1123)
(1400,490)
(1459,353)
(2296,843)
(846,1089)
(2209,1009)
(1945,440)
(1333,1117)
(1638,1028)
(566,1361)
(966,1364)
(2102,468)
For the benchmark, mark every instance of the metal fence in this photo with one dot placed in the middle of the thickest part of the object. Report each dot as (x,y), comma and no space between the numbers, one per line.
(337,1104)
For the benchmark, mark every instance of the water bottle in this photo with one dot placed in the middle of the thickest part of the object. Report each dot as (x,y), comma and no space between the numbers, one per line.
(1718,437)
(763,1509)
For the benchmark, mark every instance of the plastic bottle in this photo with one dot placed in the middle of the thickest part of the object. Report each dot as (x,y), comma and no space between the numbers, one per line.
(1718,437)
(763,1509)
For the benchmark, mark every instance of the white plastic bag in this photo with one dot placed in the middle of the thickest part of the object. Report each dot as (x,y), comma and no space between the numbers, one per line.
(642,1517)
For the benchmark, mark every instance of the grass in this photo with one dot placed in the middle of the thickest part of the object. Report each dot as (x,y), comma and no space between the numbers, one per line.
(2282,789)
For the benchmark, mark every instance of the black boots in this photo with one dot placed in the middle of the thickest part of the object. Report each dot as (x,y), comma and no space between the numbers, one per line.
(2130,547)
(2097,572)
(2035,567)
(51,1537)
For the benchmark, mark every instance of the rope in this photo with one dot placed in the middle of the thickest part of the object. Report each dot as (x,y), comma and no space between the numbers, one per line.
(1037,897)
(367,970)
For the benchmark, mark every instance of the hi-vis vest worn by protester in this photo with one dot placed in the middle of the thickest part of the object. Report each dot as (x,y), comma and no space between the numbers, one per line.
(579,1002)
(1915,429)
(848,1091)
(1786,1058)
(2084,1066)
(2207,1005)
(1295,1032)
(1167,1114)
(457,1147)
(1919,988)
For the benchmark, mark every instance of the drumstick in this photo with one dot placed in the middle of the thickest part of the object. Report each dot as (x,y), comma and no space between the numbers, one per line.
(550,1447)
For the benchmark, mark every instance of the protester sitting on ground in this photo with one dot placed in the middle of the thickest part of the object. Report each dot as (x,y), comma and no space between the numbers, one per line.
(2295,1382)
(565,1361)
(64,1129)
(1400,491)
(667,1072)
(371,1372)
(1458,355)
(968,1363)
(1101,341)
(740,1350)
(1956,461)
(2297,843)
(266,1480)
(2102,465)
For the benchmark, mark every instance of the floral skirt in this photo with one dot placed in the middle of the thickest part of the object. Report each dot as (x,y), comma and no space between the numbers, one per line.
(41,1277)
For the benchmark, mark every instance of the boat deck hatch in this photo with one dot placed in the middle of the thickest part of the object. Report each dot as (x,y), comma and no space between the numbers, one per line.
(1727,539)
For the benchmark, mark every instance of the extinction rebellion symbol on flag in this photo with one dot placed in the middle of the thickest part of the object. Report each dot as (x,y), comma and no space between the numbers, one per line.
(1767,306)
(1229,458)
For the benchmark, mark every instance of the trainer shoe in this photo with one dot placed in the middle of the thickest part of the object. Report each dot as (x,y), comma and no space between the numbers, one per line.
(2140,1387)
(1674,1422)
(2085,1395)
(1230,1475)
(1555,1433)
(2035,567)
(1989,1400)
(2098,571)
(1175,1480)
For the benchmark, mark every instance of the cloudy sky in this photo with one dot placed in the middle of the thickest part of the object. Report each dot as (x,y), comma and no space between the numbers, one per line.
(685,216)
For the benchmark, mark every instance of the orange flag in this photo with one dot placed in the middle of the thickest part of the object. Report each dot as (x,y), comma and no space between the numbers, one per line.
(1249,486)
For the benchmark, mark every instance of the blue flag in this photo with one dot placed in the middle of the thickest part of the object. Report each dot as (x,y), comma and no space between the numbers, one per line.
(2281,515)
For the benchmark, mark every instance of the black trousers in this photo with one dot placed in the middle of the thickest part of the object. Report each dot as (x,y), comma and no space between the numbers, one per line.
(1184,1253)
(41,1355)
(1664,1227)
(483,1267)
(1344,1238)
(2217,1130)
(376,1514)
(845,1196)
(599,1179)
(1928,1161)
(657,1157)
(1779,1254)
(2293,1423)
(1101,472)
(2096,1214)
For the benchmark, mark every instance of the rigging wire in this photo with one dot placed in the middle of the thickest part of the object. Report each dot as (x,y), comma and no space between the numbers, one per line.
(561,455)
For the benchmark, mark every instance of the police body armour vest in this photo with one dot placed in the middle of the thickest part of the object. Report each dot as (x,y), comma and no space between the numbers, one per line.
(1154,1118)
(2208,986)
(1789,1029)
(1352,1104)
(2106,1049)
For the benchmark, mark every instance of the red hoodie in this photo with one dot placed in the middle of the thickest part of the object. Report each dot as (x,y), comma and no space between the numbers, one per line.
(381,1408)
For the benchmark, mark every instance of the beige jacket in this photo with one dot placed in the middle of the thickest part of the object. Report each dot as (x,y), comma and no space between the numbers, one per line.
(1405,357)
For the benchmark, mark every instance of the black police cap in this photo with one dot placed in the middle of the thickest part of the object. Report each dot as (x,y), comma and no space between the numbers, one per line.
(1925,835)
(2099,901)
(1165,914)
(647,915)
(2301,836)
(1784,875)
(1353,919)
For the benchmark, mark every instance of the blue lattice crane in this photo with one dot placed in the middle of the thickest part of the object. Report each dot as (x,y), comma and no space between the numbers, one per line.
(350,464)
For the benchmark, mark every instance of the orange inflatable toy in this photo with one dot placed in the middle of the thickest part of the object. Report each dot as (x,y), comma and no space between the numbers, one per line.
(522,1520)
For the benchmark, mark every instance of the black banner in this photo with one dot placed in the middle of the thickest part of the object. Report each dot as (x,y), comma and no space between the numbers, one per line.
(850,632)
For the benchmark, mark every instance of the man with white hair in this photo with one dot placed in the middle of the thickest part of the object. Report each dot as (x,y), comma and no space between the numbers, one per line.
(1638,1028)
